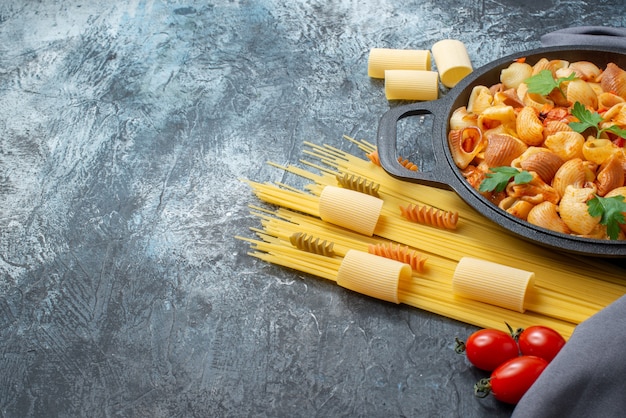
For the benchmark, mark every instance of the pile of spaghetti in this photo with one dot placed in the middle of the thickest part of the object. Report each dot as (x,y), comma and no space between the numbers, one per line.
(428,232)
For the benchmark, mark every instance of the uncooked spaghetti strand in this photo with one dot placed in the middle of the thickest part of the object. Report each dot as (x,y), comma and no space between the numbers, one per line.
(556,306)
(487,319)
(531,261)
(564,295)
(432,299)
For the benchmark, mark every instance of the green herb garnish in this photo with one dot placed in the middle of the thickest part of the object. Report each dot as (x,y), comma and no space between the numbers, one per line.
(610,209)
(543,82)
(590,119)
(499,177)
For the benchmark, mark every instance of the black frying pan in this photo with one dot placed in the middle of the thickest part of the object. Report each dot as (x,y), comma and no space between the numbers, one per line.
(446,175)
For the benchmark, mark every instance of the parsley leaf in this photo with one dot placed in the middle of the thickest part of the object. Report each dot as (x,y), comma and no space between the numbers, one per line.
(616,130)
(588,119)
(543,82)
(611,210)
(499,177)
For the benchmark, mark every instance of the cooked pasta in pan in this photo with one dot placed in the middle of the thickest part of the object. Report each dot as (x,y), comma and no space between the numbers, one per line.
(546,144)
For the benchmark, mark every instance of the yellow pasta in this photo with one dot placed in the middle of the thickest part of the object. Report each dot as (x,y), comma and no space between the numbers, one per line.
(411,85)
(372,275)
(492,283)
(452,61)
(381,59)
(356,211)
(567,289)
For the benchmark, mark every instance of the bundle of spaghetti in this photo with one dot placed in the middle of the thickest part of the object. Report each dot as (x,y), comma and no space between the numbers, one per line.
(429,290)
(567,289)
(545,302)
(555,273)
(567,276)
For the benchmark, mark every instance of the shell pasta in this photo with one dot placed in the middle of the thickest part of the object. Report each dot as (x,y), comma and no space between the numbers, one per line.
(562,124)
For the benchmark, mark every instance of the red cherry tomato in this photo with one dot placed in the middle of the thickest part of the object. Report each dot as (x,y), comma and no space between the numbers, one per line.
(510,381)
(540,341)
(489,348)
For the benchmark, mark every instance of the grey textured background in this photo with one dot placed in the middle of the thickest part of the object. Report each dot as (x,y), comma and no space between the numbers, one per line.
(125,127)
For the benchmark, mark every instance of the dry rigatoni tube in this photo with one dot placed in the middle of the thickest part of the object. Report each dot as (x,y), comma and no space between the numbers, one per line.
(411,85)
(492,283)
(452,61)
(359,212)
(372,275)
(381,59)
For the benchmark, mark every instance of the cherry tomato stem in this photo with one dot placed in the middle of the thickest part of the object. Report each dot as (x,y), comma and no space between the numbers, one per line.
(510,381)
(488,348)
(539,341)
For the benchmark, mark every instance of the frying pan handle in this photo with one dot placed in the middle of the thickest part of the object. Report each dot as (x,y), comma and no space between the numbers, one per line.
(387,146)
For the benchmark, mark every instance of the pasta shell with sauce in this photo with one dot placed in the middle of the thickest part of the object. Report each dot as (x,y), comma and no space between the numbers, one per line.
(554,126)
(599,232)
(542,161)
(611,175)
(598,150)
(515,74)
(461,118)
(597,88)
(535,100)
(465,144)
(507,97)
(607,100)
(502,149)
(573,209)
(566,144)
(551,65)
(528,126)
(613,79)
(516,207)
(535,191)
(580,91)
(616,114)
(479,100)
(585,70)
(571,173)
(496,116)
(546,215)
(474,175)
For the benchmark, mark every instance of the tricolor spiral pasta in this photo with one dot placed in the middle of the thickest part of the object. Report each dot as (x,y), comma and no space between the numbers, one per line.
(407,164)
(312,244)
(430,216)
(400,253)
(359,184)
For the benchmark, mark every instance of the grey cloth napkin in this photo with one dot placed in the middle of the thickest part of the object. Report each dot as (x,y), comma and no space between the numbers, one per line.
(588,376)
(587,35)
